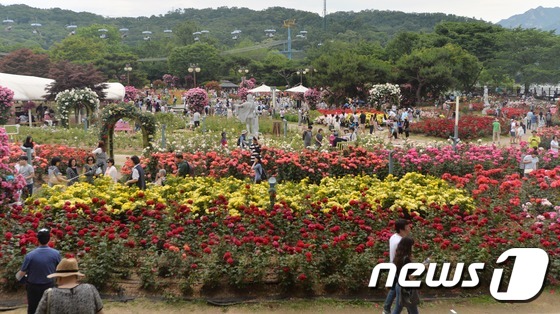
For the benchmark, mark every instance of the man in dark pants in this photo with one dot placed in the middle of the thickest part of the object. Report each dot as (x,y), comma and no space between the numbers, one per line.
(37,265)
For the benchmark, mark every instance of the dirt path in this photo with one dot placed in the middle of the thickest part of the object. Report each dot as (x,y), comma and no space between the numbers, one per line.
(547,302)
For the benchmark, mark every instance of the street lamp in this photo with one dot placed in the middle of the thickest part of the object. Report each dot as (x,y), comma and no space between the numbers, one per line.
(310,70)
(194,68)
(243,71)
(128,68)
(301,73)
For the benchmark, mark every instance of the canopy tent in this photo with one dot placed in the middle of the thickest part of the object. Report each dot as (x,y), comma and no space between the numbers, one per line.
(261,89)
(114,91)
(297,89)
(34,88)
(25,87)
(228,84)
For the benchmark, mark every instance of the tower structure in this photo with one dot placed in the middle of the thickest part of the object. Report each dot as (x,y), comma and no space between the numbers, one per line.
(324,15)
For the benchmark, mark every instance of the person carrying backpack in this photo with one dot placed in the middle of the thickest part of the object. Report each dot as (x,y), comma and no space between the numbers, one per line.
(183,167)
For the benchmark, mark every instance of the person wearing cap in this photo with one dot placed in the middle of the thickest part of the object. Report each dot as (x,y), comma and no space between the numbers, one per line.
(38,265)
(70,296)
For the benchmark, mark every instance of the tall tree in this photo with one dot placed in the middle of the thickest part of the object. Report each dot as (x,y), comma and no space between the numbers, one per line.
(345,73)
(69,75)
(78,49)
(204,55)
(427,69)
(25,62)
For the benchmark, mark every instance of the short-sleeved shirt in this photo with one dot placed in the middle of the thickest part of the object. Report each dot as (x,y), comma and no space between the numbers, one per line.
(83,298)
(532,162)
(394,241)
(495,126)
(26,171)
(40,263)
(534,141)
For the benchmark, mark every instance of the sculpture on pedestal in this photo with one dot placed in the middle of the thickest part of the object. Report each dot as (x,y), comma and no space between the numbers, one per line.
(247,113)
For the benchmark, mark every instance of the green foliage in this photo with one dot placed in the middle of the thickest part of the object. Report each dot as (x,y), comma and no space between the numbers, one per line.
(78,49)
(346,73)
(25,62)
(204,55)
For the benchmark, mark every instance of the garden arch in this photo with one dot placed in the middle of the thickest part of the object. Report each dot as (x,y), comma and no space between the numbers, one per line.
(112,113)
(76,99)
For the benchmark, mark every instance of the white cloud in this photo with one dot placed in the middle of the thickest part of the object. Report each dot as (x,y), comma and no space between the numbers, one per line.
(490,10)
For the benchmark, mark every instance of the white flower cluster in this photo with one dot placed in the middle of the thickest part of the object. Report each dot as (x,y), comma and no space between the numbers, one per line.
(387,91)
(73,98)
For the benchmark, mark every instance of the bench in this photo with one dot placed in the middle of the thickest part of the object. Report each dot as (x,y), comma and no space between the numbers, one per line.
(123,126)
(342,145)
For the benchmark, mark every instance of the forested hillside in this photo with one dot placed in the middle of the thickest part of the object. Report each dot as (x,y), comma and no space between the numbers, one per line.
(430,53)
(348,26)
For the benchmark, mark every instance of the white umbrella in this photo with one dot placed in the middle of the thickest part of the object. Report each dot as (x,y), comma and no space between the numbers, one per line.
(261,89)
(297,89)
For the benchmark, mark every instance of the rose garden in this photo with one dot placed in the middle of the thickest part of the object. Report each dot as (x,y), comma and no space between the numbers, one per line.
(319,231)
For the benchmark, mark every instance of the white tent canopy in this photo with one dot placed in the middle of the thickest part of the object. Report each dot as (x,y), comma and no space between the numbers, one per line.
(25,87)
(297,89)
(34,88)
(114,91)
(261,89)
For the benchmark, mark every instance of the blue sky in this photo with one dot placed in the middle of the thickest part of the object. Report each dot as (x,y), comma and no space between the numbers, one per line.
(489,10)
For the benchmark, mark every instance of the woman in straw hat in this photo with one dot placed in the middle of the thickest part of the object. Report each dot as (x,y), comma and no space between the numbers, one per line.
(70,296)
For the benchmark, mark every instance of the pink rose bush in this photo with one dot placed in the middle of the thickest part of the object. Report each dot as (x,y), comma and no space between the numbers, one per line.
(6,98)
(197,98)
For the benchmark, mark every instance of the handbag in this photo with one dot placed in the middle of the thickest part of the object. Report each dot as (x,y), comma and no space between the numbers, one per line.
(409,297)
(53,180)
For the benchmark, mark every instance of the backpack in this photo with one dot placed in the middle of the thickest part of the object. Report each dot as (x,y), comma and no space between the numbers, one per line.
(264,175)
(191,170)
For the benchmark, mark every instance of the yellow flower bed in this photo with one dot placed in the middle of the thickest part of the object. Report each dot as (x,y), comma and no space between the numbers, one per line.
(413,192)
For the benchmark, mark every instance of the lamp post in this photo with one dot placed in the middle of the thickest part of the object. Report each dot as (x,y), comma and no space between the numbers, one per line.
(128,68)
(310,70)
(456,134)
(194,68)
(243,71)
(272,191)
(300,73)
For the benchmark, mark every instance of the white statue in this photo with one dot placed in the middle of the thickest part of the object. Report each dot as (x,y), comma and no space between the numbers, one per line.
(247,113)
(486,103)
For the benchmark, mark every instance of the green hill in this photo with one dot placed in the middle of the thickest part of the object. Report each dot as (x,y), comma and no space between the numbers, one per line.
(348,26)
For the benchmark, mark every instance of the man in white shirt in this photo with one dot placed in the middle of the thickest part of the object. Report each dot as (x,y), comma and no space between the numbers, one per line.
(402,229)
(196,119)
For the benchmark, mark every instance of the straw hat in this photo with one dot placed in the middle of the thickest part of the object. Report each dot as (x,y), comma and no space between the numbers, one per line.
(67,267)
